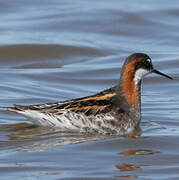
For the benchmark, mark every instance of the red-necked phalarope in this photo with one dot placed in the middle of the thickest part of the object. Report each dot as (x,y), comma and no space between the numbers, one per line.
(115,111)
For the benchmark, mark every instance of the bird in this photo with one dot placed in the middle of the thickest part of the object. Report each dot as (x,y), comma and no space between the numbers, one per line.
(114,111)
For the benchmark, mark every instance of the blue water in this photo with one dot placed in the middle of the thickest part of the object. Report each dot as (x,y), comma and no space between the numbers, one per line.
(57,50)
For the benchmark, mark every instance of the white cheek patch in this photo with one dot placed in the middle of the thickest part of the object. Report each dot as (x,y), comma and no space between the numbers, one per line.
(139,74)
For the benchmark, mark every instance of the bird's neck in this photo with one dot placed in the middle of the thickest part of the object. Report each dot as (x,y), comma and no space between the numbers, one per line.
(130,90)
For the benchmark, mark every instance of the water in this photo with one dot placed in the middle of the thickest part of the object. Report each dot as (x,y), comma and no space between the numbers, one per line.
(57,50)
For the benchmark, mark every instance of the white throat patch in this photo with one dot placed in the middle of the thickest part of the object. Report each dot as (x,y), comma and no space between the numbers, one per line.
(139,74)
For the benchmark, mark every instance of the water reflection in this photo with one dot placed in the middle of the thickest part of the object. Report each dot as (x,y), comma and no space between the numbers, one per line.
(127,167)
(128,176)
(40,136)
(31,138)
(138,152)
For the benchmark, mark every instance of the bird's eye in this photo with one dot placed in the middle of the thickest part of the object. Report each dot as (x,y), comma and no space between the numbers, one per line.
(148,61)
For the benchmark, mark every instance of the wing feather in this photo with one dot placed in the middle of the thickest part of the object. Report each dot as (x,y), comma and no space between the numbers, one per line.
(90,105)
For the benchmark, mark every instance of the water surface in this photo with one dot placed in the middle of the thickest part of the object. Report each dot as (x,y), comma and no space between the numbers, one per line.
(59,50)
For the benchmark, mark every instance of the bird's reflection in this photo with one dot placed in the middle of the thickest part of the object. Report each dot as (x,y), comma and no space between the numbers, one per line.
(138,152)
(127,167)
(30,138)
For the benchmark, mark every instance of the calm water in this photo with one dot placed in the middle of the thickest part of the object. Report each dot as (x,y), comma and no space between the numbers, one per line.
(57,50)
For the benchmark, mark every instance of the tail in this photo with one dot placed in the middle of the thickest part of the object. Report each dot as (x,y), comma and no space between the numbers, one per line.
(34,114)
(17,108)
(30,114)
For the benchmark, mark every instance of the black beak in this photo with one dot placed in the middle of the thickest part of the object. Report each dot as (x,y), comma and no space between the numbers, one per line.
(162,74)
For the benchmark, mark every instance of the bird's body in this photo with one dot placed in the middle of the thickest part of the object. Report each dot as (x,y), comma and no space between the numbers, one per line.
(99,113)
(115,111)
